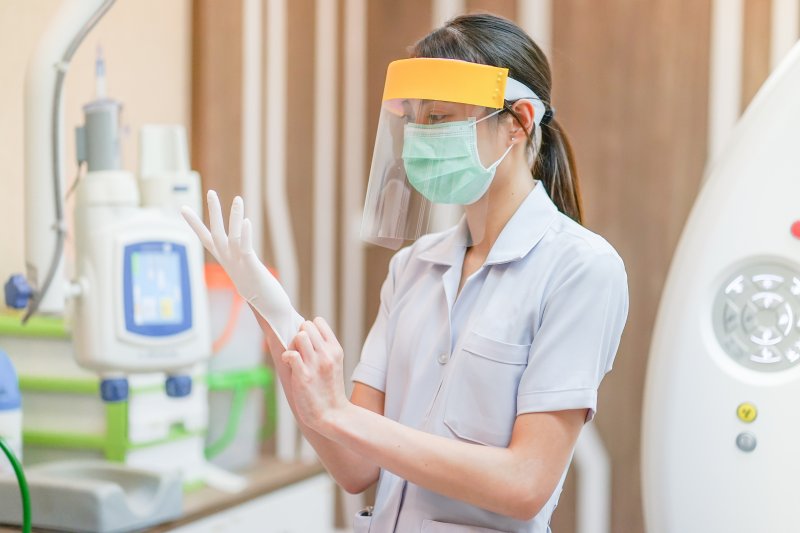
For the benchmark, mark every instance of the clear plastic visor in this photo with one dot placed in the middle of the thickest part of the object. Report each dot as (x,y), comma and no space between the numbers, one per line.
(432,161)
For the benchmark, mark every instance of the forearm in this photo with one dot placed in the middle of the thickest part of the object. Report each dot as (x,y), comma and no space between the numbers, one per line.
(350,470)
(493,478)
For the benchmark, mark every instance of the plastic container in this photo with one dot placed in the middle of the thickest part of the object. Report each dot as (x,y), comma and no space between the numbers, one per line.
(165,177)
(10,412)
(241,414)
(241,387)
(238,340)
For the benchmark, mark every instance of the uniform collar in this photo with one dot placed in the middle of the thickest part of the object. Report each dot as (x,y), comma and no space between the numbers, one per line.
(522,232)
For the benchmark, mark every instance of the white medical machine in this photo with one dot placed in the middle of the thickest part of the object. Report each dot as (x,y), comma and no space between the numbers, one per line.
(137,298)
(721,430)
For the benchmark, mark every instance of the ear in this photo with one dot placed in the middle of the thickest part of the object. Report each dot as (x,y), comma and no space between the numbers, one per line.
(520,130)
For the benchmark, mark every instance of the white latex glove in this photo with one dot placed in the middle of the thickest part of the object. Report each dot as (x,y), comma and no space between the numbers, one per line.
(252,279)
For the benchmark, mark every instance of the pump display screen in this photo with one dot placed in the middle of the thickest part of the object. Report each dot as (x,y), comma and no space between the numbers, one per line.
(157,294)
(156,278)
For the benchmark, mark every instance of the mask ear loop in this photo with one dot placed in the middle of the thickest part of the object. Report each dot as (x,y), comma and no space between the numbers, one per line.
(494,165)
(497,163)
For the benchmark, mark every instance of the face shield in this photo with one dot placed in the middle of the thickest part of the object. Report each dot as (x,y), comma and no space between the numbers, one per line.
(437,144)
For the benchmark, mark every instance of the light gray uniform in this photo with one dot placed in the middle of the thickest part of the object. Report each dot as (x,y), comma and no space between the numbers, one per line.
(534,329)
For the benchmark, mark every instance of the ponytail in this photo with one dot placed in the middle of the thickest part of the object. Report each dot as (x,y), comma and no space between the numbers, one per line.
(555,167)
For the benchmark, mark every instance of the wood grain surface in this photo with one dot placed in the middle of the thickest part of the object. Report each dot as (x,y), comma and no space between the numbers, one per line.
(631,89)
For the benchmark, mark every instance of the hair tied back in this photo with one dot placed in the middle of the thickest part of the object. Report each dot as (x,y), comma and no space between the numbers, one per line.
(548,116)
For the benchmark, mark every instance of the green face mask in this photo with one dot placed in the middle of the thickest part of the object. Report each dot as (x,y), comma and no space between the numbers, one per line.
(442,162)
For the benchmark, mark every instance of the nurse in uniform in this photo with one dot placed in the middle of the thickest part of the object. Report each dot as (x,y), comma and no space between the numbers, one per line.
(492,337)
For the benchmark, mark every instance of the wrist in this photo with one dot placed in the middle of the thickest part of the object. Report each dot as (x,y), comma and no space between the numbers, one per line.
(336,420)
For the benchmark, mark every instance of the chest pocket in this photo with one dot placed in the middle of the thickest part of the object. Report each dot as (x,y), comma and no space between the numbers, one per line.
(482,399)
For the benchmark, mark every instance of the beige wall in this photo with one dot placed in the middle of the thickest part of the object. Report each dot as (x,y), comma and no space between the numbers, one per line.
(147,48)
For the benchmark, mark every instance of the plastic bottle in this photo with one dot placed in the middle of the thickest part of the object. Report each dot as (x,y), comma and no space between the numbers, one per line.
(10,412)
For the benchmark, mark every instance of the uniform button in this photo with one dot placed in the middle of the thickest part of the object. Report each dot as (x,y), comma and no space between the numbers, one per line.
(443,358)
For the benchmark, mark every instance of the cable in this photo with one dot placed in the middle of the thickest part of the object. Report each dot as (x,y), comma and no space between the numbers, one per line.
(55,121)
(23,486)
(77,179)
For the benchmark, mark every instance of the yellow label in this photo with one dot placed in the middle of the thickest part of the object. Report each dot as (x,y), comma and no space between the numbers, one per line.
(746,412)
(167,311)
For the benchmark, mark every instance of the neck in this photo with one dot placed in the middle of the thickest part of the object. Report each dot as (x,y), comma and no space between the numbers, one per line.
(504,198)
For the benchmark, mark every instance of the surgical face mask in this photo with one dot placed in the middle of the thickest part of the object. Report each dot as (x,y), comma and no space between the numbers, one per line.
(442,162)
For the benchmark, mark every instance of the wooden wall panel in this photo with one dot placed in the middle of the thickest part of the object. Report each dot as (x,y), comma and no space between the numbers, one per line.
(392,27)
(756,47)
(300,139)
(503,8)
(341,141)
(217,96)
(632,93)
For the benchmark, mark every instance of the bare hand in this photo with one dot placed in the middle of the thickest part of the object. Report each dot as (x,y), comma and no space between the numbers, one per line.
(316,359)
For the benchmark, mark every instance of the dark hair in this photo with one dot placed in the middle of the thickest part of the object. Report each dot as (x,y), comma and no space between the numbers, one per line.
(493,40)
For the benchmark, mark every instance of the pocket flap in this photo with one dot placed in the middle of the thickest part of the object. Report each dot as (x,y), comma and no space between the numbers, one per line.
(499,351)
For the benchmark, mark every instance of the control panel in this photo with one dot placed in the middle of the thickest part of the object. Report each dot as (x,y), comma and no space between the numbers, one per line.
(756,316)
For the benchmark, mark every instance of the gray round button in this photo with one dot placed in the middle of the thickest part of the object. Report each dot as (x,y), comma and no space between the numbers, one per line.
(443,358)
(746,442)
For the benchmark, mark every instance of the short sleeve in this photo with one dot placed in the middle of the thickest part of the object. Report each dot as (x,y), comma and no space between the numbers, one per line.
(371,369)
(577,339)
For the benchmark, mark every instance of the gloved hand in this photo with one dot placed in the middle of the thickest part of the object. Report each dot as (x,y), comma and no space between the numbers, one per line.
(234,252)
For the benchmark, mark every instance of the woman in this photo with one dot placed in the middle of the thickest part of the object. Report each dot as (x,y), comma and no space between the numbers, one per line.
(492,337)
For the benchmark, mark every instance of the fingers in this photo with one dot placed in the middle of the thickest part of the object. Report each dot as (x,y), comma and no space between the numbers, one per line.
(295,361)
(324,329)
(235,219)
(313,334)
(199,228)
(215,222)
(332,346)
(246,243)
(305,347)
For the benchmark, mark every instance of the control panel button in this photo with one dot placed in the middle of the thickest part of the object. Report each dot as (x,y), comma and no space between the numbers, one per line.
(796,229)
(746,442)
(746,412)
(756,315)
